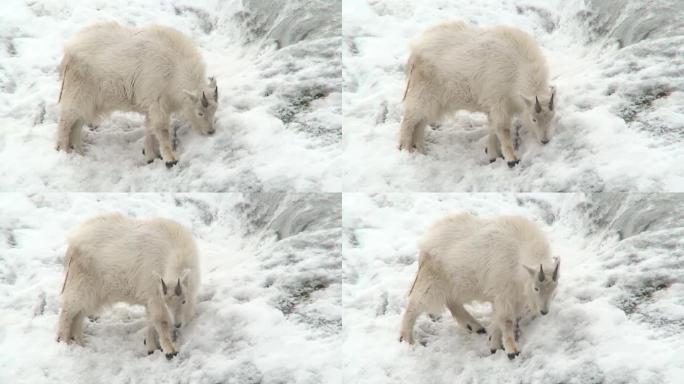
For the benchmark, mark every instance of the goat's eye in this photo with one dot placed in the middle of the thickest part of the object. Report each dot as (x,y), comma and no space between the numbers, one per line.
(200,114)
(534,120)
(536,289)
(183,302)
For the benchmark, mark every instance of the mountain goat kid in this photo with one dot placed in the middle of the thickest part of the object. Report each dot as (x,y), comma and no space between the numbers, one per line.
(155,71)
(112,258)
(499,71)
(503,260)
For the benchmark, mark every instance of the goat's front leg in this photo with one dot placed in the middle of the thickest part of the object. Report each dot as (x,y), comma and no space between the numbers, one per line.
(151,149)
(508,337)
(501,124)
(160,126)
(151,339)
(163,329)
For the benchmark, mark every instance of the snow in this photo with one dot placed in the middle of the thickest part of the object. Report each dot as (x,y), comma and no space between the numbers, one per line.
(279,124)
(270,299)
(618,68)
(618,316)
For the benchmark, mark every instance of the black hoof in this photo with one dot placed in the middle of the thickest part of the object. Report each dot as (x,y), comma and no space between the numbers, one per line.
(468,326)
(170,164)
(149,352)
(481,331)
(493,351)
(517,353)
(545,141)
(401,338)
(511,356)
(512,164)
(491,160)
(169,356)
(150,161)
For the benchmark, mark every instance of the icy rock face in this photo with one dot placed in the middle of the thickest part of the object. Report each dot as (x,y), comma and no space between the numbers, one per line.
(643,254)
(289,22)
(306,33)
(653,29)
(300,253)
(630,22)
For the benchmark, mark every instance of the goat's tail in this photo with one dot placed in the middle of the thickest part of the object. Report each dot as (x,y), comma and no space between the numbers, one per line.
(64,67)
(67,263)
(421,260)
(410,64)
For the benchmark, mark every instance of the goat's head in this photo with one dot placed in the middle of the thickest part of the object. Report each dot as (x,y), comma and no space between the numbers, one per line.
(539,112)
(200,107)
(175,295)
(541,286)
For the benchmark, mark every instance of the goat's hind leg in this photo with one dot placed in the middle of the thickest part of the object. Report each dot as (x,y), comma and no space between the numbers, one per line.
(64,127)
(75,137)
(409,125)
(68,329)
(463,317)
(413,310)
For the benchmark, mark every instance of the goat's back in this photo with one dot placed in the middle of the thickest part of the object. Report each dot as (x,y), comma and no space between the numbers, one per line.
(480,254)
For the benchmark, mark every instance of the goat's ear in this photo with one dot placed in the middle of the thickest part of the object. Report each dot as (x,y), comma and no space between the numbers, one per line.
(212,82)
(531,271)
(528,100)
(191,95)
(162,286)
(555,270)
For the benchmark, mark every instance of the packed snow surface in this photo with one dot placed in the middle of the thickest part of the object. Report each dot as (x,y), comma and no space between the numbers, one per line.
(269,304)
(278,70)
(618,67)
(617,317)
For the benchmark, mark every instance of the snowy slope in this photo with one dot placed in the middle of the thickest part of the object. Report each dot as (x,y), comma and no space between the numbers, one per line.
(270,300)
(618,316)
(279,74)
(618,66)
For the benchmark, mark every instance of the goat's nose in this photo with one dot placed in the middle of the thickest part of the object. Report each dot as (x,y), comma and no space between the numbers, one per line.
(544,312)
(211,131)
(545,141)
(178,325)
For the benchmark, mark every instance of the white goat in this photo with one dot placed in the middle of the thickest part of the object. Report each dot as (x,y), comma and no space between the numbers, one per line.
(464,258)
(155,71)
(112,258)
(499,71)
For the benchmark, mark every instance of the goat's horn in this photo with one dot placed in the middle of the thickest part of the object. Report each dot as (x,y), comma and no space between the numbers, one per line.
(178,289)
(205,102)
(163,285)
(541,273)
(555,271)
(537,106)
